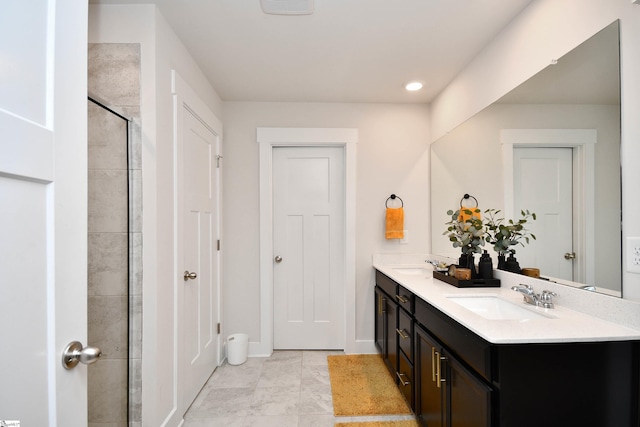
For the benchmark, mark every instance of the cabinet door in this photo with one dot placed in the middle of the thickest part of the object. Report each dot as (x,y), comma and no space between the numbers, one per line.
(405,379)
(380,322)
(391,315)
(469,399)
(405,334)
(429,395)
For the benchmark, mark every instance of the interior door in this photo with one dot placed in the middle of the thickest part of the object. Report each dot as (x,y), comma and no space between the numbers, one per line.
(43,218)
(308,230)
(200,231)
(543,184)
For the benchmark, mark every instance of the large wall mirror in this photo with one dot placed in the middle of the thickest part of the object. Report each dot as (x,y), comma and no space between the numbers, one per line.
(551,145)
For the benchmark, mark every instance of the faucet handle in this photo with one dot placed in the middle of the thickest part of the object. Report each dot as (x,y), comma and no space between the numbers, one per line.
(546,298)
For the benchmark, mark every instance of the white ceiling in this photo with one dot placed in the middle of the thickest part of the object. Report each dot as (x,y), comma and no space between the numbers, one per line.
(346,51)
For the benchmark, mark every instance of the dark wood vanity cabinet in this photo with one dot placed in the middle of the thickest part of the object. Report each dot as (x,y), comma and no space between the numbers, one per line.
(394,332)
(454,378)
(447,392)
(385,324)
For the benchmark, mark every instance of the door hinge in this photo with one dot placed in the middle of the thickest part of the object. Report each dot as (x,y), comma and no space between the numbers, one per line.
(218,328)
(218,244)
(218,157)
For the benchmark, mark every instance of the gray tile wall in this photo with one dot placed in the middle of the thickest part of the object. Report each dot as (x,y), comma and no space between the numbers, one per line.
(115,235)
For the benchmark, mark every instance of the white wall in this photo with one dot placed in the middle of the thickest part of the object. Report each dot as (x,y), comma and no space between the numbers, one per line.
(161,51)
(392,157)
(546,30)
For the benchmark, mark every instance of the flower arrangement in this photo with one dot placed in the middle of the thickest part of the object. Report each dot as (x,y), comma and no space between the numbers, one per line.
(505,234)
(466,230)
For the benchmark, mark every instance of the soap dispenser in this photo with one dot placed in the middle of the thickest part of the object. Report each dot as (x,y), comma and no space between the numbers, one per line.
(485,266)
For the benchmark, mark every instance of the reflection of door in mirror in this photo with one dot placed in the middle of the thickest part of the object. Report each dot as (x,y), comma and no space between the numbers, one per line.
(580,94)
(542,183)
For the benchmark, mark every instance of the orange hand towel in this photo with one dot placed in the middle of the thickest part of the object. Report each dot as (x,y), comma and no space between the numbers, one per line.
(395,223)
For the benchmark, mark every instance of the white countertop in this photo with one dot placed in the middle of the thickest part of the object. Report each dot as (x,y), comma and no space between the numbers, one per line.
(559,324)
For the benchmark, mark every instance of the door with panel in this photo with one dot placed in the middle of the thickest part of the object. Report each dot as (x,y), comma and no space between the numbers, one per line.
(200,145)
(309,247)
(543,184)
(43,218)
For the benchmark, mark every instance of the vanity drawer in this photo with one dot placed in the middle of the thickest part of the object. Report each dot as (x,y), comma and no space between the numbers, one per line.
(405,334)
(387,285)
(405,379)
(466,345)
(405,299)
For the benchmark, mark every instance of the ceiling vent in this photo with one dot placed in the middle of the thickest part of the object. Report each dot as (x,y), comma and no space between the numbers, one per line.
(287,7)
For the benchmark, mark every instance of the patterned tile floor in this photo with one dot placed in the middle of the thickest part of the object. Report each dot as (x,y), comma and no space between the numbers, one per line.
(288,389)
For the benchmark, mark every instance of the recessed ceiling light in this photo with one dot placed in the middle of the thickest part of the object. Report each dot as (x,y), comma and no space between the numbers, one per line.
(413,86)
(287,7)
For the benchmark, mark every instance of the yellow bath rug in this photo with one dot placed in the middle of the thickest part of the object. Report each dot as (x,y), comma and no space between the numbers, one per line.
(405,423)
(362,385)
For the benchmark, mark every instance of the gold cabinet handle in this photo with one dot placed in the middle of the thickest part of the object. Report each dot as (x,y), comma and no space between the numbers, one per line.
(403,382)
(439,379)
(403,299)
(433,364)
(381,302)
(403,334)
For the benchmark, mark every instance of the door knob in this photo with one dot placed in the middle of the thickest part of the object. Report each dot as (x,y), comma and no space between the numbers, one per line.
(190,275)
(74,353)
(278,259)
(570,255)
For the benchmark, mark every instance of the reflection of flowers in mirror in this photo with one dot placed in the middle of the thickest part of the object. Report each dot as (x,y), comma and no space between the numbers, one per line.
(505,234)
(465,230)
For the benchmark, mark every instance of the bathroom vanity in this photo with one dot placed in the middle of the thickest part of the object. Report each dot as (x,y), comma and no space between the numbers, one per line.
(482,357)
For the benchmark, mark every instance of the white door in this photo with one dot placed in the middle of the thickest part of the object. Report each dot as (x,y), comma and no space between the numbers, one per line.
(43,214)
(309,245)
(199,288)
(543,184)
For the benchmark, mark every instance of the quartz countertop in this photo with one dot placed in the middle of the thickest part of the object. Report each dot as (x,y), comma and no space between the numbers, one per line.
(559,324)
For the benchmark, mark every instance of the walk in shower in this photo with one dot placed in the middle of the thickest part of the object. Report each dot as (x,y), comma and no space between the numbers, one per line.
(114,297)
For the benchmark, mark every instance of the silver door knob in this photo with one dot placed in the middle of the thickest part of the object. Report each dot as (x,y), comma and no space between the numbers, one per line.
(570,255)
(190,275)
(278,259)
(74,353)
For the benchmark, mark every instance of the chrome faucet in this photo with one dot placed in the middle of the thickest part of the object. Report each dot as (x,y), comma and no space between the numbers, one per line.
(545,299)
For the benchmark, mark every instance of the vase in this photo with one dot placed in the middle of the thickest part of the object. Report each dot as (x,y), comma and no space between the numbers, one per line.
(512,264)
(502,262)
(467,261)
(485,267)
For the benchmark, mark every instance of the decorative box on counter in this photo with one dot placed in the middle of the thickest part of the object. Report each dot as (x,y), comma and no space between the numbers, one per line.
(473,283)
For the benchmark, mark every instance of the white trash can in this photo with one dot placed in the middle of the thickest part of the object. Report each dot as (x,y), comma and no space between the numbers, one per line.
(237,346)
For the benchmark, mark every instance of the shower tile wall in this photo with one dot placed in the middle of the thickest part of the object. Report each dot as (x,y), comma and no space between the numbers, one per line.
(115,238)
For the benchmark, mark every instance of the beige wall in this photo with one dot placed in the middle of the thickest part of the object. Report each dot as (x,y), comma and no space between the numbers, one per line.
(392,157)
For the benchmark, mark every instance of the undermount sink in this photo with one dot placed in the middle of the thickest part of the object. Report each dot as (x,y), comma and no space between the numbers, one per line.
(411,271)
(494,308)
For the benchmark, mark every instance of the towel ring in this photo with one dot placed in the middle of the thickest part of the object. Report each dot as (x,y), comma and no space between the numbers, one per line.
(467,197)
(393,197)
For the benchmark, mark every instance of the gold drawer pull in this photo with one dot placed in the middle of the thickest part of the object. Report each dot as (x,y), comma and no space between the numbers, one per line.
(402,298)
(403,382)
(403,334)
